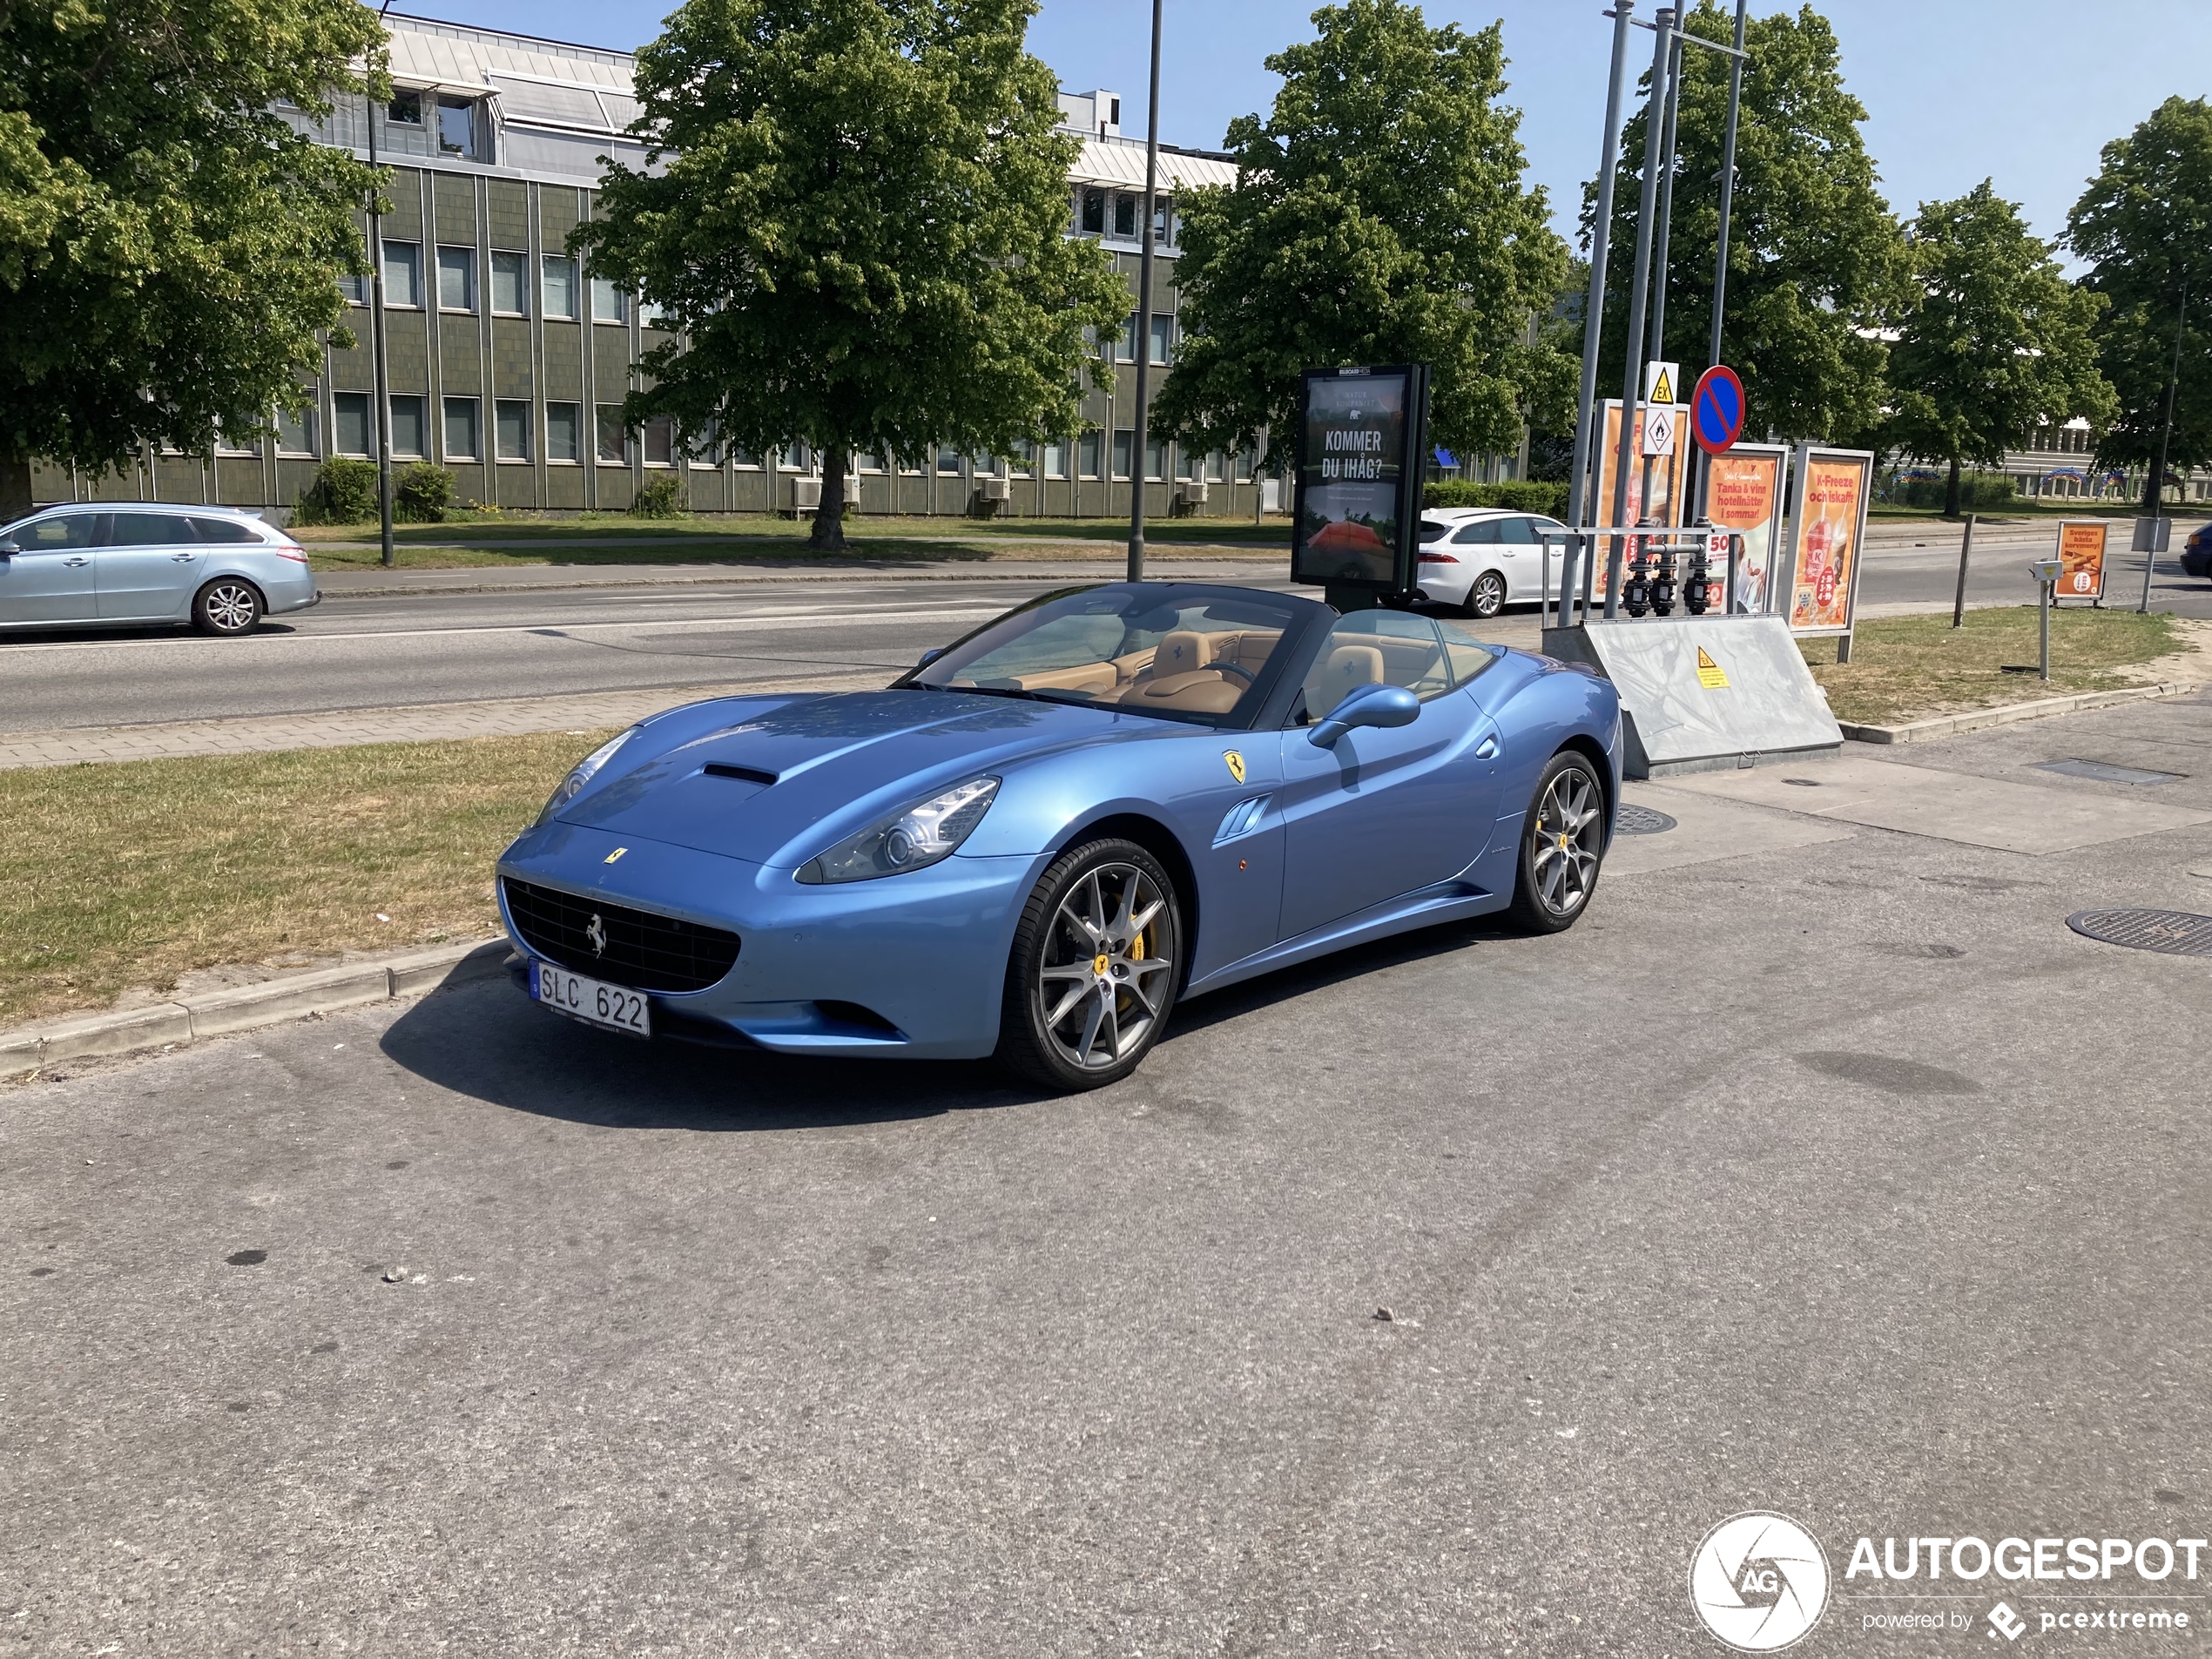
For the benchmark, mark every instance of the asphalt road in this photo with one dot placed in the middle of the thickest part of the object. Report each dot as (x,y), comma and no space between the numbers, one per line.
(1829,1176)
(439,645)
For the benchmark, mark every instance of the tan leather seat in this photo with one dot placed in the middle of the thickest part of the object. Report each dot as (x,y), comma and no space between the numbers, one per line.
(1182,651)
(1337,676)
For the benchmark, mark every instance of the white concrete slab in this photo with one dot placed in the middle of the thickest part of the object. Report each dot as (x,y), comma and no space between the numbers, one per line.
(1709,831)
(1946,805)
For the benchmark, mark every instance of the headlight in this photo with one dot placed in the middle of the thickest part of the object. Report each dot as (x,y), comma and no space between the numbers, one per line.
(583,773)
(910,840)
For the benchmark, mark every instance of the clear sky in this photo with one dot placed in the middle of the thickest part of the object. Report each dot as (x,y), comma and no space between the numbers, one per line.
(2025,91)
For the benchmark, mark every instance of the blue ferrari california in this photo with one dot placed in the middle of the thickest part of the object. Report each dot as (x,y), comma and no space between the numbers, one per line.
(1039,840)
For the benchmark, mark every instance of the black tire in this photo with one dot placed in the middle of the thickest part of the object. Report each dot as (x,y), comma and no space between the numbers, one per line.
(1485,596)
(227,607)
(1056,944)
(1562,845)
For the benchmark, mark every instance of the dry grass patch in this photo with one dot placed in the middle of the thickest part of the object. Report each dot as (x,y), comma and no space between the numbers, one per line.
(1907,668)
(131,873)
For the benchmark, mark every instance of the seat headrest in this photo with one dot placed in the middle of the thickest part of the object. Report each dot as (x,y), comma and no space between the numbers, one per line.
(1346,669)
(1182,651)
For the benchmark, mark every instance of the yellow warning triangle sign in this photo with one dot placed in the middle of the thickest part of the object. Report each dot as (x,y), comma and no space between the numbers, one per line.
(1709,673)
(1705,659)
(1662,389)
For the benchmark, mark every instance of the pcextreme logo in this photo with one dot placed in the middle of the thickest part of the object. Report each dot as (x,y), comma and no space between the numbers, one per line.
(1759,1581)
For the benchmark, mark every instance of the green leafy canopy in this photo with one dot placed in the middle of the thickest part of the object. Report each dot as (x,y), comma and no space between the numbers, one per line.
(168,246)
(1379,216)
(854,225)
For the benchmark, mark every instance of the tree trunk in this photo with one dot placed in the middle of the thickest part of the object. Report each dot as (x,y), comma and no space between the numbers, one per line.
(15,488)
(1951,491)
(829,517)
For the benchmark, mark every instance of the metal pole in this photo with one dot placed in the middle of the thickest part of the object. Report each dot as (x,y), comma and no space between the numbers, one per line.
(1631,381)
(1727,187)
(2044,624)
(1138,442)
(2165,434)
(1958,600)
(376,331)
(1578,488)
(1656,350)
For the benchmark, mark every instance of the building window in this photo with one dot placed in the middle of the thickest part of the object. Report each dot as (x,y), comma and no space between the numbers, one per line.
(1125,215)
(350,429)
(461,442)
(872,461)
(225,446)
(1087,447)
(949,461)
(609,303)
(1184,467)
(743,461)
(560,287)
(458,127)
(1162,338)
(1094,212)
(1217,467)
(660,441)
(1122,451)
(457,279)
(405,110)
(707,447)
(563,432)
(793,457)
(1018,464)
(917,468)
(1160,220)
(1055,461)
(649,314)
(1243,465)
(296,431)
(1154,461)
(408,421)
(512,418)
(353,287)
(510,284)
(402,274)
(614,436)
(1125,348)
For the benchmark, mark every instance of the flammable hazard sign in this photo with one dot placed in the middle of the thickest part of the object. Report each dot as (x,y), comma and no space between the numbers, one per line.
(1710,675)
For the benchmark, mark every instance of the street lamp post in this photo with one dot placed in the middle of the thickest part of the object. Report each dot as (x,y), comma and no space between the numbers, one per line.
(383,416)
(1136,440)
(2165,437)
(1639,283)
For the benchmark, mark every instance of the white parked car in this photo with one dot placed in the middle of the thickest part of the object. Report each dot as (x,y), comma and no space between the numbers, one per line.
(1484,558)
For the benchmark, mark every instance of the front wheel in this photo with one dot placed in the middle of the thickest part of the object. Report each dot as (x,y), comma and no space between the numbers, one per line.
(1487,596)
(1096,966)
(1561,845)
(228,606)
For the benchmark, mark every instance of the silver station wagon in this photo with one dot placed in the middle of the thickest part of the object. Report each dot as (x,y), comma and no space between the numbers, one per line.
(122,564)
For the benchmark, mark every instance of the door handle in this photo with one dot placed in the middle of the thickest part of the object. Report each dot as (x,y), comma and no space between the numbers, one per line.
(75,564)
(1486,750)
(183,558)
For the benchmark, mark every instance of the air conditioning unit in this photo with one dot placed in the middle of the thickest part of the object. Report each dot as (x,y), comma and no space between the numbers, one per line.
(994,489)
(807,495)
(852,490)
(1191,492)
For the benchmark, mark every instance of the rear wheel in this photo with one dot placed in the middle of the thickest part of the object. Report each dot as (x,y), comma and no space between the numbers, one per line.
(1487,596)
(1097,965)
(228,606)
(1561,845)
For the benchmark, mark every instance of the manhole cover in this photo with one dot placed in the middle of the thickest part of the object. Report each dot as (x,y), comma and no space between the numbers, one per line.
(2105,773)
(2175,933)
(1642,821)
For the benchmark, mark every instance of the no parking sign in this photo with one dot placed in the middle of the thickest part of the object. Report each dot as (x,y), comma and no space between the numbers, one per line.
(1716,410)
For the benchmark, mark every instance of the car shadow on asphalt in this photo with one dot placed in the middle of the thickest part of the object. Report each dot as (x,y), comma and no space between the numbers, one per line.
(487,1040)
(1281,986)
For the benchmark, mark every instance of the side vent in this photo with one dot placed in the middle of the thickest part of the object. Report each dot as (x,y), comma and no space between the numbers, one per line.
(743,775)
(1242,818)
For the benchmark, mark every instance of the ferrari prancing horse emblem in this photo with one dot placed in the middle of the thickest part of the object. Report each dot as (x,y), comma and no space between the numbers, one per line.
(1236,765)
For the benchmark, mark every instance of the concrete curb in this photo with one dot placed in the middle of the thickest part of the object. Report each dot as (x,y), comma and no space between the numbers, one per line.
(735,576)
(242,1008)
(1946,725)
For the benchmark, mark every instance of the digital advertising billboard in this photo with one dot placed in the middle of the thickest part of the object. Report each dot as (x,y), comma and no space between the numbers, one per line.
(1362,434)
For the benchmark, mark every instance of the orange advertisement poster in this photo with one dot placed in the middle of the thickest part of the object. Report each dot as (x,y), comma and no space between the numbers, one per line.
(2081,560)
(1743,494)
(1830,502)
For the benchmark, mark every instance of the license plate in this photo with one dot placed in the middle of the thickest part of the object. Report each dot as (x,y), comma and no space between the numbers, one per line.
(594,1002)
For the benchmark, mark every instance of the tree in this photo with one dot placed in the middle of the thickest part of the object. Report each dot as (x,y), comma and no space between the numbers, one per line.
(2145,226)
(1997,343)
(859,236)
(1379,216)
(169,248)
(1815,261)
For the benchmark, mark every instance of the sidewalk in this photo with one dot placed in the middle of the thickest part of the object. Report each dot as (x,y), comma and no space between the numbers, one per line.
(506,716)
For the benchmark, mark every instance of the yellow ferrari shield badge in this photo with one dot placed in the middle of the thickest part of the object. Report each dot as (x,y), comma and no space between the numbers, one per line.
(612,856)
(1098,966)
(1236,765)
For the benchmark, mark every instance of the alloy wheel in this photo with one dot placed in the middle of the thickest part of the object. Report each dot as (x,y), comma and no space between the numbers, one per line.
(1104,975)
(229,607)
(1569,841)
(1488,597)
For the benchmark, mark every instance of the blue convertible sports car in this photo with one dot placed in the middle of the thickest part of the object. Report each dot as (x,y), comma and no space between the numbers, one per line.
(1037,842)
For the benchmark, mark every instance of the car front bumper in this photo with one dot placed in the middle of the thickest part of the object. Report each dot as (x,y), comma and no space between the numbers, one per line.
(925,953)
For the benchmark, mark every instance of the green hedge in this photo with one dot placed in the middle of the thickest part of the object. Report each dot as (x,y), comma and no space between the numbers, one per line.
(343,492)
(1978,492)
(1526,497)
(421,493)
(659,496)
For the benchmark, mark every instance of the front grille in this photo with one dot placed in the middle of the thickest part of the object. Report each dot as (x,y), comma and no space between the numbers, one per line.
(647,952)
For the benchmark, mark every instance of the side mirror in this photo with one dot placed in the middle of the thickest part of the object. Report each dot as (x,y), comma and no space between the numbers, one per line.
(9,550)
(1368,706)
(930,657)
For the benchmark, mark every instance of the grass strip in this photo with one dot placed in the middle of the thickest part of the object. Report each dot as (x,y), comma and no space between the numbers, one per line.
(134,872)
(1909,668)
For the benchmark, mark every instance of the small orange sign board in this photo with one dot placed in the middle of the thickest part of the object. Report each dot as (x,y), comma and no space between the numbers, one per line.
(2081,559)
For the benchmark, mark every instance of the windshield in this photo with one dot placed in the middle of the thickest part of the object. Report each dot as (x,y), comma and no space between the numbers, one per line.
(1205,656)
